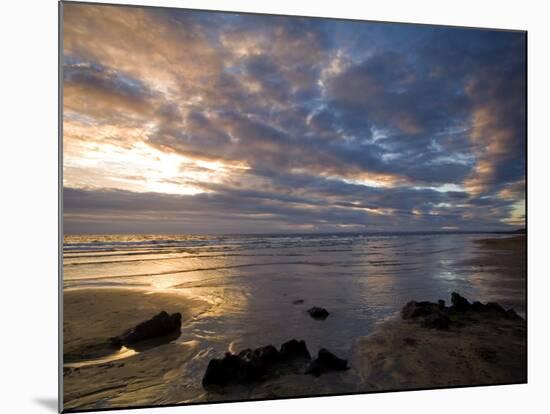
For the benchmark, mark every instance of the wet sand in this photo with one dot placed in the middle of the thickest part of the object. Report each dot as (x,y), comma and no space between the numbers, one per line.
(506,255)
(154,373)
(503,262)
(397,355)
(92,316)
(400,354)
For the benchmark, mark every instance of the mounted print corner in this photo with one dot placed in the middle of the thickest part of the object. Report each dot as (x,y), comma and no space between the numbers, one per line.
(262,206)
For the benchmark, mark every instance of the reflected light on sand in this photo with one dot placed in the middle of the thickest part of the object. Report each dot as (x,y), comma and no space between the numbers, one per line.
(209,286)
(377,282)
(121,354)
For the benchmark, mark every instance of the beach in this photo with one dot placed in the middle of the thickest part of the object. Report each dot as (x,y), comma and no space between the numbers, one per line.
(247,292)
(400,355)
(94,370)
(257,207)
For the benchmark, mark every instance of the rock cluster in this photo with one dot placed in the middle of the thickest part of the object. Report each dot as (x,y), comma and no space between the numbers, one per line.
(326,361)
(249,366)
(439,316)
(294,349)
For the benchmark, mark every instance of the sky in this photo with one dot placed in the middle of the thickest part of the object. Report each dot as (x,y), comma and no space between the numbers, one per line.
(178,121)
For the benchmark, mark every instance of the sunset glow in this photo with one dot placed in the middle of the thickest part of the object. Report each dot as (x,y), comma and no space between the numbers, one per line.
(201,122)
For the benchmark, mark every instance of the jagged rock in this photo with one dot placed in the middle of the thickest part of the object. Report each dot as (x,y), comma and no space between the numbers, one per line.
(477,307)
(245,367)
(460,303)
(409,310)
(158,326)
(511,314)
(261,357)
(493,306)
(318,313)
(268,354)
(223,371)
(415,309)
(326,361)
(432,314)
(294,349)
(249,366)
(436,315)
(438,321)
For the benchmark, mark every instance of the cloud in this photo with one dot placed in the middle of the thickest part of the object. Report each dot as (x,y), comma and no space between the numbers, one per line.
(327,207)
(498,124)
(303,123)
(103,93)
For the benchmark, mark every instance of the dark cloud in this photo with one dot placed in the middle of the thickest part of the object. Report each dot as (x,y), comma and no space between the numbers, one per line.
(301,123)
(104,93)
(234,210)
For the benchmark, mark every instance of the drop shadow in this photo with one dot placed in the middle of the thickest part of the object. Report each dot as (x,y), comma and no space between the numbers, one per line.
(49,403)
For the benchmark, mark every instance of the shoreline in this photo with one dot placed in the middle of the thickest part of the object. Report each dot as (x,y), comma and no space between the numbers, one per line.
(503,263)
(401,355)
(96,376)
(397,355)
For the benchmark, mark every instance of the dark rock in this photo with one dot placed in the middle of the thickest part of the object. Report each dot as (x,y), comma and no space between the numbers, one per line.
(326,361)
(294,349)
(331,361)
(415,309)
(432,315)
(252,367)
(266,355)
(438,321)
(298,302)
(460,303)
(477,307)
(318,313)
(159,325)
(223,371)
(245,367)
(511,314)
(245,354)
(408,310)
(249,366)
(495,307)
(116,342)
(460,314)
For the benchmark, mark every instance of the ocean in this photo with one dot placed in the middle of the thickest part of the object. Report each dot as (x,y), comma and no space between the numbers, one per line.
(252,280)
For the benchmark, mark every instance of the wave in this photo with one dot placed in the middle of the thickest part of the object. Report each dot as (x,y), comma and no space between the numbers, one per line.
(214,268)
(227,243)
(95,262)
